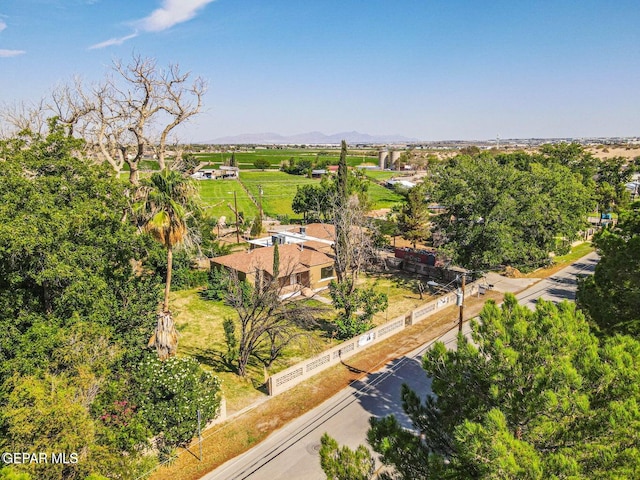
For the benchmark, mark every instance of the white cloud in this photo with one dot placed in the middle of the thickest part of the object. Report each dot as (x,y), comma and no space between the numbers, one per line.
(3,25)
(11,53)
(113,41)
(171,13)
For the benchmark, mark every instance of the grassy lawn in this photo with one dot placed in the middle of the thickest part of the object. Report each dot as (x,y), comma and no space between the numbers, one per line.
(200,326)
(199,323)
(576,252)
(278,188)
(402,290)
(562,261)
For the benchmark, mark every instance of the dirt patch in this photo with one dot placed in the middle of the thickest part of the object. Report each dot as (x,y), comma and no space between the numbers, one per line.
(512,272)
(229,439)
(605,151)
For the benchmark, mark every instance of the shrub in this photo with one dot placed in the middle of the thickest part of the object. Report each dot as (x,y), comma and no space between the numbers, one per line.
(261,163)
(218,284)
(170,393)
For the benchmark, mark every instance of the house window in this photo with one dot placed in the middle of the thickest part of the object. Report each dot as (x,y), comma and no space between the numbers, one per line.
(326,272)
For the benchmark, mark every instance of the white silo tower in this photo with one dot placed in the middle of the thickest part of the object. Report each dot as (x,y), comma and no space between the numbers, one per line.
(383,156)
(395,156)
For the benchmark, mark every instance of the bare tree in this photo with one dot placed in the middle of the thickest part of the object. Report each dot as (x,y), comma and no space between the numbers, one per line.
(179,101)
(353,247)
(267,323)
(23,116)
(135,109)
(356,251)
(72,104)
(142,105)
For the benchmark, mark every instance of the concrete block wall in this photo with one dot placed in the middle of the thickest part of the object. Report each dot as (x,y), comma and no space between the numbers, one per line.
(292,376)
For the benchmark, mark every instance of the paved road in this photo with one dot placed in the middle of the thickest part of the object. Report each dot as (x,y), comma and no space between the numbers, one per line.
(291,453)
(562,285)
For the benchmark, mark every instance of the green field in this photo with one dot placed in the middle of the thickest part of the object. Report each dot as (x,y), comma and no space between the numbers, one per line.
(278,189)
(382,197)
(217,194)
(277,157)
(380,174)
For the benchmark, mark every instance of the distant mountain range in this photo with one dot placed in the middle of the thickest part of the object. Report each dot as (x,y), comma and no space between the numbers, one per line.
(311,138)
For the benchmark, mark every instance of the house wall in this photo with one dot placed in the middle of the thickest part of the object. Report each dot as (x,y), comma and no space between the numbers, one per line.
(310,279)
(241,275)
(315,281)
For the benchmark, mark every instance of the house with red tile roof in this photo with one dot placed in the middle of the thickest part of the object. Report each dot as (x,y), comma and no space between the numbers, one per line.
(300,266)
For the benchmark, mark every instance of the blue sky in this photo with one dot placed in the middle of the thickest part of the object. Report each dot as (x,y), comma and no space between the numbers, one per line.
(428,69)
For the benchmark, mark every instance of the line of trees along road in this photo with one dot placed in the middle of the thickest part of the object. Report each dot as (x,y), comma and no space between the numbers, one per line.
(611,297)
(77,307)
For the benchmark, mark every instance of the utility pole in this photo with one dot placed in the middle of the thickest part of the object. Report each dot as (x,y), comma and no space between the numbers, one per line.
(260,200)
(235,202)
(461,303)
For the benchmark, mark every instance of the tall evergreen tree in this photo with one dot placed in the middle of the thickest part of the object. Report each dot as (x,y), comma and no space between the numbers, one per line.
(414,219)
(342,258)
(276,262)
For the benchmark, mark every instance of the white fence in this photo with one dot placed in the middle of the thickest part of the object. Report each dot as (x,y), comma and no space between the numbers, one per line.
(292,376)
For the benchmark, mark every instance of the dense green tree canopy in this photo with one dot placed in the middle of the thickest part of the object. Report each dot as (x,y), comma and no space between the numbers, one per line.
(342,463)
(356,307)
(611,296)
(536,395)
(73,313)
(261,163)
(76,310)
(313,201)
(507,210)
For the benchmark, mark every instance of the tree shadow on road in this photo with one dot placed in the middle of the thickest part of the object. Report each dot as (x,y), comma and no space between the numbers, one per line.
(379,392)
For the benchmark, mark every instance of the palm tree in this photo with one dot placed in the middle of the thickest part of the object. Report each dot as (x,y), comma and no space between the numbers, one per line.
(169,201)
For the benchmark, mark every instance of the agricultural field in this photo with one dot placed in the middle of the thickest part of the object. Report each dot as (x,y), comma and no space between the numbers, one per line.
(382,197)
(277,157)
(278,189)
(216,195)
(380,175)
